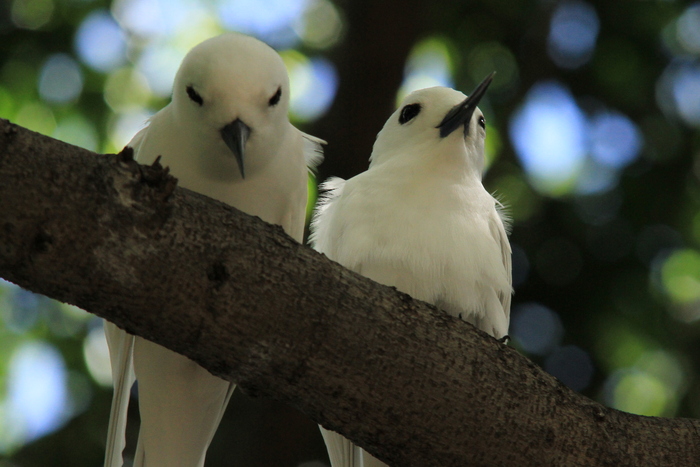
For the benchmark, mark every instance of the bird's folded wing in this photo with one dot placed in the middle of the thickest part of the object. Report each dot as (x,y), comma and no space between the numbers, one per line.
(121,348)
(497,227)
(313,150)
(181,405)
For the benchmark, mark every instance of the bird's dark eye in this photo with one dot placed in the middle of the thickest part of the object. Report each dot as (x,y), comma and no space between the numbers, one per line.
(409,112)
(194,95)
(275,98)
(482,122)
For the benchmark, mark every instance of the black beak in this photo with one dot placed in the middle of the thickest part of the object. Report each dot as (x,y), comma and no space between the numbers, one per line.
(235,135)
(462,112)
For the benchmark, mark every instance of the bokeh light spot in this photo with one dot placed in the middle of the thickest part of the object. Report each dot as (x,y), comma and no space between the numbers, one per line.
(573,33)
(20,310)
(64,321)
(430,63)
(678,90)
(37,117)
(595,177)
(271,20)
(666,367)
(126,89)
(159,64)
(100,42)
(680,276)
(313,84)
(321,25)
(488,57)
(686,92)
(536,328)
(688,29)
(492,146)
(7,103)
(60,79)
(615,139)
(96,355)
(548,133)
(619,345)
(78,130)
(31,14)
(36,394)
(638,392)
(124,127)
(156,18)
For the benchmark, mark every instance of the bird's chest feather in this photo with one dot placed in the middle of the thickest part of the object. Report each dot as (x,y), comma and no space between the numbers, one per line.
(205,165)
(429,226)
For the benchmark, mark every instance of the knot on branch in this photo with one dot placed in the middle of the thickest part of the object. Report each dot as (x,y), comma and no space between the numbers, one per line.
(158,177)
(154,176)
(218,274)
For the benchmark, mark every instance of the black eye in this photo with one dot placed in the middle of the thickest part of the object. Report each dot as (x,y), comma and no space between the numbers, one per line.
(194,95)
(409,112)
(482,122)
(276,98)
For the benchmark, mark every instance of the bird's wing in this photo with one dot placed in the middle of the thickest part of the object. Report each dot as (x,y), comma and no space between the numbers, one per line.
(325,229)
(181,405)
(138,138)
(326,232)
(498,224)
(343,453)
(121,347)
(313,150)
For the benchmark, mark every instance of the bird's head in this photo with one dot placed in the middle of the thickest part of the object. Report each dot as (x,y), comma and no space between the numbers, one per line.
(434,121)
(234,90)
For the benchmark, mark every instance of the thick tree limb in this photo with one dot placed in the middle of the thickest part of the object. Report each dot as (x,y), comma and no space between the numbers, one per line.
(411,384)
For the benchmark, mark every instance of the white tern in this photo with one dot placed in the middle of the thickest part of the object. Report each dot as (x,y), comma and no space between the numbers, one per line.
(419,219)
(225,134)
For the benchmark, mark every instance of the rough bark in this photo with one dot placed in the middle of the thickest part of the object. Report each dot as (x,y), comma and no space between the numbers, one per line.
(401,378)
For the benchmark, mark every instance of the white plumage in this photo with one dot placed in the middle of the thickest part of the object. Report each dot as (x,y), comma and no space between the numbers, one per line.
(226,135)
(420,219)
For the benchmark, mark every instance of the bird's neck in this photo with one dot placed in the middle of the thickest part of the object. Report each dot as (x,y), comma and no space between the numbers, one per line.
(451,167)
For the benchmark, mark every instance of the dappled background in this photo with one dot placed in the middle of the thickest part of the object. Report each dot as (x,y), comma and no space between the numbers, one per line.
(593,124)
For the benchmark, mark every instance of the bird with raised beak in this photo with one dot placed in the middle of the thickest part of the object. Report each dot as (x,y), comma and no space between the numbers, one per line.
(420,219)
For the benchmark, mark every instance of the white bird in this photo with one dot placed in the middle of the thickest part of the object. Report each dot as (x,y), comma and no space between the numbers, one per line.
(226,135)
(419,219)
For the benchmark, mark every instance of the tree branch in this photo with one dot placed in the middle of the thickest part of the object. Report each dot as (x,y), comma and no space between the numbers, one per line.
(413,385)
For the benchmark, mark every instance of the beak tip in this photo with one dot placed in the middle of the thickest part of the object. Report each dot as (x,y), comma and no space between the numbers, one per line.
(462,113)
(235,135)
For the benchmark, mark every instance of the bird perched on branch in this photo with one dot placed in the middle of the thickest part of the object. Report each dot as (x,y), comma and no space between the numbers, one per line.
(419,219)
(225,134)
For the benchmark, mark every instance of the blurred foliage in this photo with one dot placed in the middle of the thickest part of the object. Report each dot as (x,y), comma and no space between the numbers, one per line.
(593,141)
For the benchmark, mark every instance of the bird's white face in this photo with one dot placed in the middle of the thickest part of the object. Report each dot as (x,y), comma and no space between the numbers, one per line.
(234,78)
(420,127)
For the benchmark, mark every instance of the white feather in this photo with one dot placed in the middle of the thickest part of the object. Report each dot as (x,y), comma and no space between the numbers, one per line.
(235,77)
(420,219)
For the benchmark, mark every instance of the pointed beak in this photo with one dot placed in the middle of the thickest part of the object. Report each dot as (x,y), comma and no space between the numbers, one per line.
(462,113)
(235,135)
